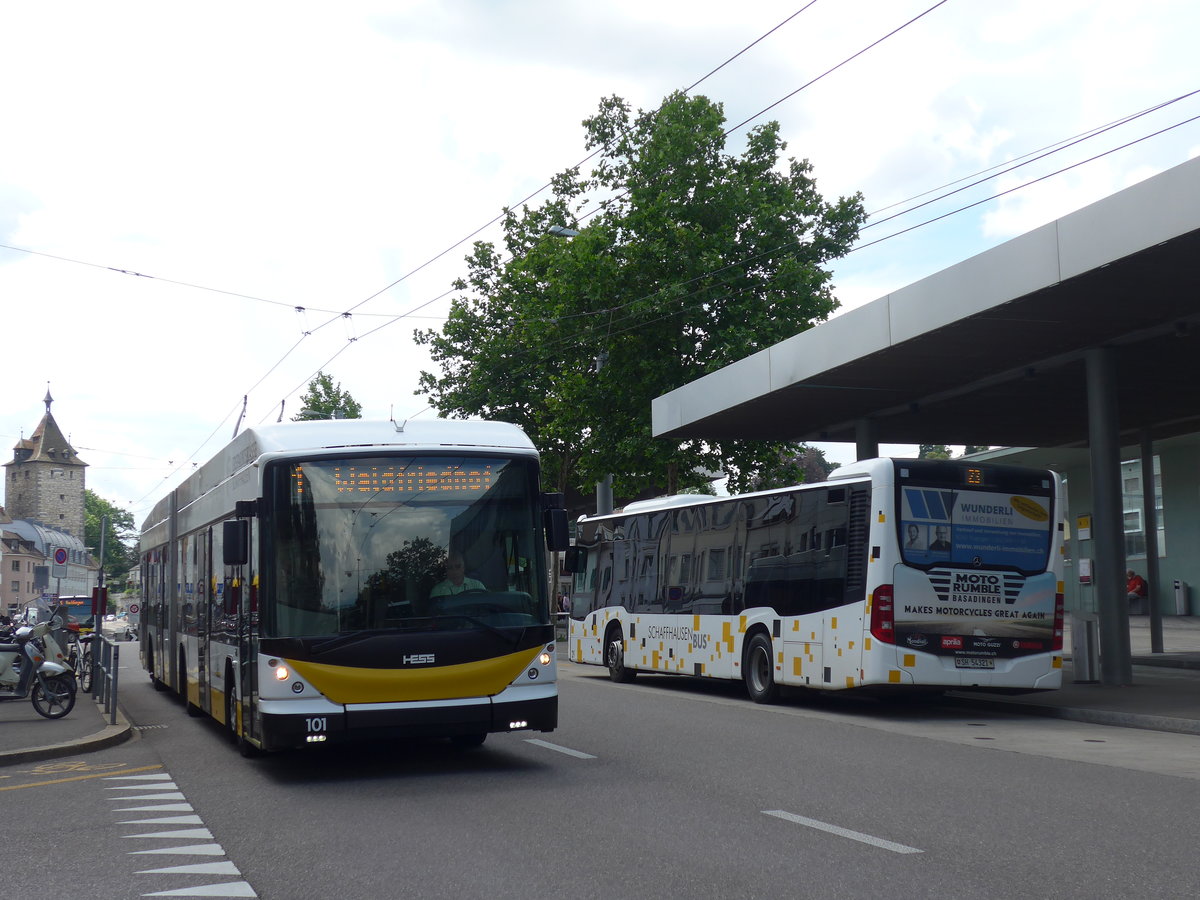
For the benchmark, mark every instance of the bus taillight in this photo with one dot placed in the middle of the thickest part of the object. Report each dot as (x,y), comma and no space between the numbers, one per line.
(1058,622)
(883,614)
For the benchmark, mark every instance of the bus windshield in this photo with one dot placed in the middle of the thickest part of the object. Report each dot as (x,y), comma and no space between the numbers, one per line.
(401,543)
(962,522)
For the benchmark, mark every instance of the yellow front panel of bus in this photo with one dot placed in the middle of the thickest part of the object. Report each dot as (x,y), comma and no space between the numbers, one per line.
(343,684)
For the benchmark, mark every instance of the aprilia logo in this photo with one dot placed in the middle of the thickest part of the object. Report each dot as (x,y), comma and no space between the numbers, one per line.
(418,659)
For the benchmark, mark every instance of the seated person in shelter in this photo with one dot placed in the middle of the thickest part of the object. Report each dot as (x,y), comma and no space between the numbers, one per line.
(1136,588)
(456,581)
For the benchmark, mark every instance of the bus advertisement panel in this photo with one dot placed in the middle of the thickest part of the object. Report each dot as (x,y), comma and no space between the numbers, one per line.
(974,582)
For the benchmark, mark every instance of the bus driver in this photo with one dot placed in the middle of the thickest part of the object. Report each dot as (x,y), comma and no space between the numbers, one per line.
(456,581)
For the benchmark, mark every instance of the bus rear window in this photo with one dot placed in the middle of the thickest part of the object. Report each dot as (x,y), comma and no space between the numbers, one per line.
(980,528)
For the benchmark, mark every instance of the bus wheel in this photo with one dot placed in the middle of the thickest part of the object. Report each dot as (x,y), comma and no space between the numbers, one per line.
(230,707)
(159,684)
(183,687)
(614,656)
(759,670)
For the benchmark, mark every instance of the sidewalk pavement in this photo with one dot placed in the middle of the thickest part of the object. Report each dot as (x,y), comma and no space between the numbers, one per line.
(1164,696)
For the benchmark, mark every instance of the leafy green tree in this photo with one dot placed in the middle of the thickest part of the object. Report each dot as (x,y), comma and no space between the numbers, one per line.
(693,259)
(120,536)
(971,448)
(325,400)
(799,464)
(933,451)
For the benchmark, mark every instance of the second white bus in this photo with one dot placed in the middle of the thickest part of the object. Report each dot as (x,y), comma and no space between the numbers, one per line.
(894,574)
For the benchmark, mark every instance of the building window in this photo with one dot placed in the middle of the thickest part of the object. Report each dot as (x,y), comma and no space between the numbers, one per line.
(1133,506)
(16,565)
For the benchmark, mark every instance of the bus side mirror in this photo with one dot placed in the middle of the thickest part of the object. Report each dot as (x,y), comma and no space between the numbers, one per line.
(574,560)
(235,541)
(558,535)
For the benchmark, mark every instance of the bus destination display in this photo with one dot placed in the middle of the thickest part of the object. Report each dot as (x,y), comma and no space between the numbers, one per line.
(415,478)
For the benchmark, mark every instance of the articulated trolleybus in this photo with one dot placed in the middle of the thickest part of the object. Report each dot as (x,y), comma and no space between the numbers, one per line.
(323,581)
(893,575)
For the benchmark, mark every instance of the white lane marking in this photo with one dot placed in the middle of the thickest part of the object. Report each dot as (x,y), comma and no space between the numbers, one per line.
(202,834)
(213,868)
(165,820)
(233,889)
(161,807)
(191,850)
(171,786)
(578,754)
(842,832)
(158,777)
(170,795)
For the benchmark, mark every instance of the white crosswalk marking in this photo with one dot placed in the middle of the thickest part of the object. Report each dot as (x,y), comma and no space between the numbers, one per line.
(162,807)
(233,889)
(164,788)
(219,868)
(192,850)
(165,820)
(202,834)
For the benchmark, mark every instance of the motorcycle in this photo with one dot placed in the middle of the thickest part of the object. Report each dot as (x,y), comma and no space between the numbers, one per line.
(25,671)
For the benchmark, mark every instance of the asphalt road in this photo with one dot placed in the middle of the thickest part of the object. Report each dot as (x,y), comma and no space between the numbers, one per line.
(663,788)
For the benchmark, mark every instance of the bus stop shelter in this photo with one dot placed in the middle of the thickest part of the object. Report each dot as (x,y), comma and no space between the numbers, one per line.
(1084,332)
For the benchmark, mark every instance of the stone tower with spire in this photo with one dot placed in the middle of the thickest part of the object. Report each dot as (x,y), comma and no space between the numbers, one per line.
(45,480)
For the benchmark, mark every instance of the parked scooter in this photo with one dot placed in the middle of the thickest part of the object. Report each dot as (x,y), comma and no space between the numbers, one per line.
(26,672)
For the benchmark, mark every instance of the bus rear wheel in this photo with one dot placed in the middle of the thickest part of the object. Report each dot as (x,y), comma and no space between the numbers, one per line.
(614,657)
(758,670)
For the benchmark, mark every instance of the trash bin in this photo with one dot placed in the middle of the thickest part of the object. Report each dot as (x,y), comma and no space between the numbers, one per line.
(1085,647)
(1181,598)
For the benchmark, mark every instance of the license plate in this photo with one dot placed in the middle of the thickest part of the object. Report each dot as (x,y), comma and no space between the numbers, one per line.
(972,662)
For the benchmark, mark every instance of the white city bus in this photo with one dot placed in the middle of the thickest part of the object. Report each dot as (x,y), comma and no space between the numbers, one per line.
(296,586)
(891,575)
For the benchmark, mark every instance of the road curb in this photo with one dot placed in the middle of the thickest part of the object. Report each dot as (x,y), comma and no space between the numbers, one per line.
(1090,716)
(109,736)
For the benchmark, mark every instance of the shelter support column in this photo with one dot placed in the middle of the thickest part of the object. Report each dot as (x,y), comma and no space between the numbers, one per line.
(1150,526)
(1107,520)
(865,439)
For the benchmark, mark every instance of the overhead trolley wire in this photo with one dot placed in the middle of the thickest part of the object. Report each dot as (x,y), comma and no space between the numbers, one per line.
(1036,155)
(1028,158)
(583,161)
(789,247)
(497,218)
(1019,187)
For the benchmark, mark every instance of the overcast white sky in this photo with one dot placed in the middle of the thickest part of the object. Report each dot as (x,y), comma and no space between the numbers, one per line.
(311,154)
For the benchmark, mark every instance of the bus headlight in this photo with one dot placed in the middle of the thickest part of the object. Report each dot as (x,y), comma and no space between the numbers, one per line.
(282,673)
(544,659)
